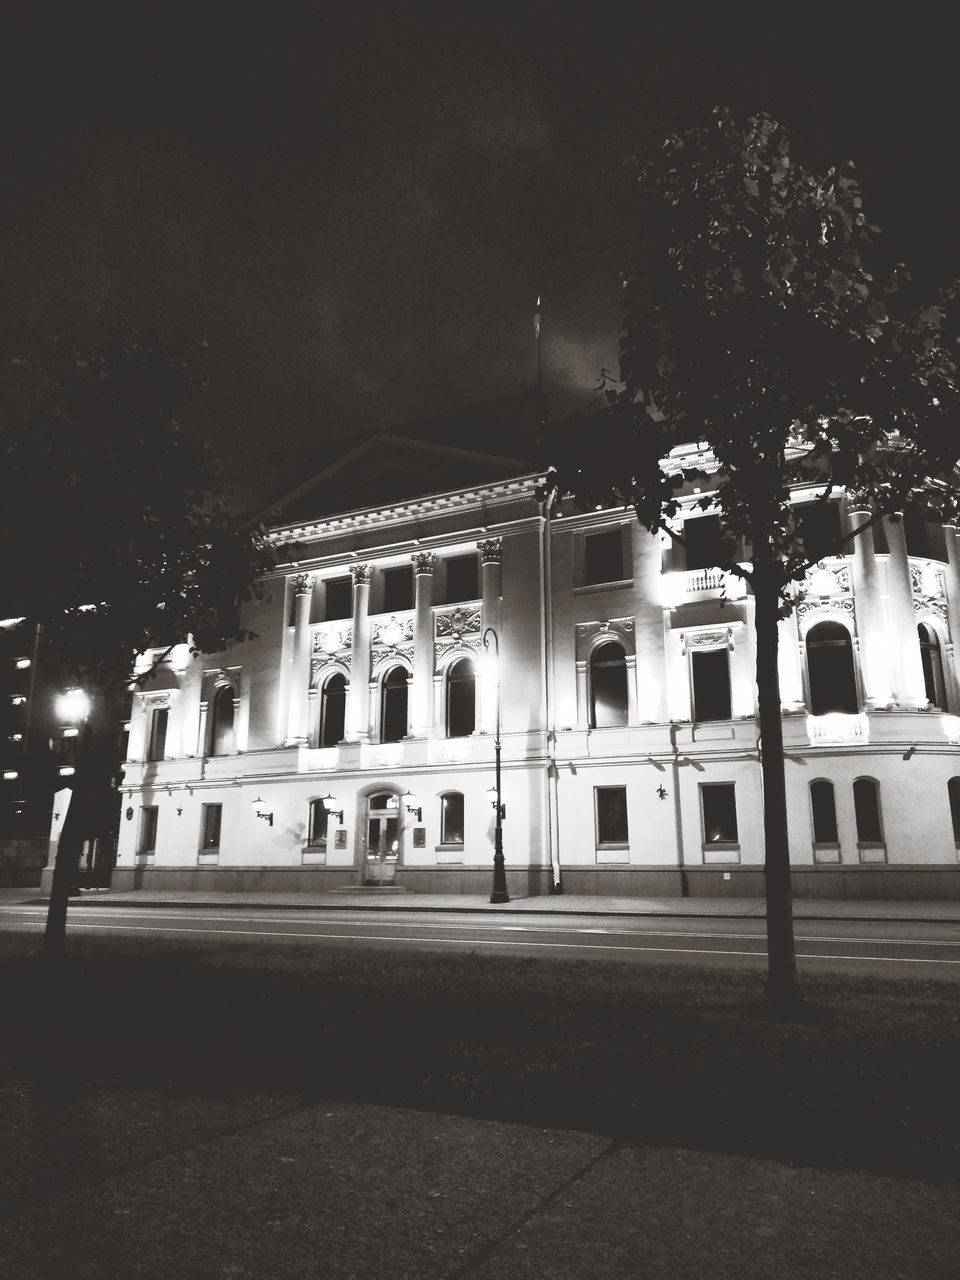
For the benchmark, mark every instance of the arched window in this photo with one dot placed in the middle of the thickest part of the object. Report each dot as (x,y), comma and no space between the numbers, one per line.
(932,666)
(866,805)
(461,699)
(317,825)
(833,683)
(608,687)
(222,737)
(393,705)
(451,818)
(953,791)
(824,809)
(333,705)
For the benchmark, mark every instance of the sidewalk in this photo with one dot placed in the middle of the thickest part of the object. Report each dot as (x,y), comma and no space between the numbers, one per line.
(561,905)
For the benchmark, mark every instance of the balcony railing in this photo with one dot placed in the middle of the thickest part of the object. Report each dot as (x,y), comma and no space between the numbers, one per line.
(837,727)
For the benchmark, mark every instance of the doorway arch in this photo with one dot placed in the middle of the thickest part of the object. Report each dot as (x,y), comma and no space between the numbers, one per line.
(381,837)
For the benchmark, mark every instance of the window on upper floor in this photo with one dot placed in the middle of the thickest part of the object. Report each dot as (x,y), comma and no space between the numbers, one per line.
(866,806)
(398,589)
(461,699)
(462,579)
(157,732)
(608,687)
(820,527)
(338,599)
(710,678)
(222,733)
(824,810)
(932,661)
(333,709)
(603,557)
(702,535)
(451,818)
(830,670)
(393,705)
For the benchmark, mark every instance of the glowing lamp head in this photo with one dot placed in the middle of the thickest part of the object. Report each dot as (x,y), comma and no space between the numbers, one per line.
(72,706)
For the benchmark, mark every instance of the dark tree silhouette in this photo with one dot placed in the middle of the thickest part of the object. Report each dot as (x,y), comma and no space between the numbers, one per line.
(114,538)
(759,319)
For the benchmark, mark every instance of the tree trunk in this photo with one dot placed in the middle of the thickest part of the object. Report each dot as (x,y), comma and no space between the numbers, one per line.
(782,986)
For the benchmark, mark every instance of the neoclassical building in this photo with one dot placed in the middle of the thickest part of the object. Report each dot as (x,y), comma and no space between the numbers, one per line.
(353,742)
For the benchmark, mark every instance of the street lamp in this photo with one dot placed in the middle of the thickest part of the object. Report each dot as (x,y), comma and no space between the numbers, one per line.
(72,706)
(261,810)
(499,893)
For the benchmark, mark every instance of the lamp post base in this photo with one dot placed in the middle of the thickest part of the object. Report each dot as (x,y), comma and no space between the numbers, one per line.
(499,893)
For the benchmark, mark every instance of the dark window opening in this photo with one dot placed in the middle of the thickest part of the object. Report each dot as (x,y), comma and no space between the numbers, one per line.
(338,599)
(148,829)
(824,809)
(603,557)
(866,804)
(461,699)
(820,528)
(158,733)
(210,826)
(317,825)
(461,578)
(953,791)
(719,805)
(608,687)
(611,805)
(222,737)
(393,707)
(333,710)
(833,682)
(703,538)
(932,662)
(451,818)
(397,589)
(711,684)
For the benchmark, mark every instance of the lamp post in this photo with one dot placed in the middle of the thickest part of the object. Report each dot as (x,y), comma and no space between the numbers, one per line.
(499,893)
(73,709)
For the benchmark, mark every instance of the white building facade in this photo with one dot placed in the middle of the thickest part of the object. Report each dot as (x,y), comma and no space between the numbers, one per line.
(353,742)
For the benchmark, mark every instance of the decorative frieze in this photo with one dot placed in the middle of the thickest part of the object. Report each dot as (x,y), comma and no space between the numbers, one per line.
(424,561)
(842,605)
(710,638)
(826,580)
(618,629)
(392,636)
(332,637)
(456,628)
(489,549)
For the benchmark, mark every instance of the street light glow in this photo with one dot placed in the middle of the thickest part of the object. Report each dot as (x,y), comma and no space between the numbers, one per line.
(72,706)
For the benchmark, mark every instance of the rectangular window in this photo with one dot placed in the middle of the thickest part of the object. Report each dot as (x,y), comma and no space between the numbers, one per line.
(953,791)
(824,812)
(148,829)
(611,807)
(462,579)
(451,818)
(866,806)
(397,589)
(210,826)
(702,537)
(603,557)
(338,599)
(317,827)
(711,684)
(157,742)
(820,528)
(718,804)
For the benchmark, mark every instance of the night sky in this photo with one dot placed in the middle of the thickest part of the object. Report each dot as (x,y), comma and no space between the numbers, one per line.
(356,206)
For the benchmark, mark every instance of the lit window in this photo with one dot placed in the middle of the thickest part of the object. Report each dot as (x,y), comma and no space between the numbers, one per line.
(611,815)
(866,804)
(824,811)
(608,687)
(833,682)
(333,706)
(603,557)
(451,818)
(461,699)
(210,826)
(710,674)
(718,805)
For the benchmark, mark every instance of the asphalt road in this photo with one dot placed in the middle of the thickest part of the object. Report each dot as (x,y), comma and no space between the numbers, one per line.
(863,946)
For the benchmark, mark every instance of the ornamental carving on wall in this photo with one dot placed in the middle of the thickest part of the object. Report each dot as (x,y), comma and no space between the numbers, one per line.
(360,572)
(840,605)
(935,607)
(302,583)
(720,638)
(392,637)
(927,582)
(489,549)
(457,629)
(329,640)
(824,581)
(424,561)
(618,629)
(318,664)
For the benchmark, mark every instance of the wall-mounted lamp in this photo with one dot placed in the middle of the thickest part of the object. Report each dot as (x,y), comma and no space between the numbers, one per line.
(260,809)
(412,806)
(492,794)
(330,804)
(662,791)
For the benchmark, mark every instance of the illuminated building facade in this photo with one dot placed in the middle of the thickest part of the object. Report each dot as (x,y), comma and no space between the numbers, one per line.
(352,743)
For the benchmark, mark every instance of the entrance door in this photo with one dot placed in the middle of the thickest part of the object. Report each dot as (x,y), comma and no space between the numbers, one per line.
(382,850)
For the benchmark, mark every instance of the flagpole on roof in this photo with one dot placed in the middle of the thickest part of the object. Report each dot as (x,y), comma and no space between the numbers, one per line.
(538,339)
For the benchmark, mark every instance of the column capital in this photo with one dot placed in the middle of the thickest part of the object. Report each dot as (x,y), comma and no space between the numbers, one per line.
(302,583)
(489,549)
(424,561)
(361,573)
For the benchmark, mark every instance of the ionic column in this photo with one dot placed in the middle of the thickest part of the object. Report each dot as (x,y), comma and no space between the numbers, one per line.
(421,712)
(871,625)
(358,694)
(300,667)
(909,689)
(490,616)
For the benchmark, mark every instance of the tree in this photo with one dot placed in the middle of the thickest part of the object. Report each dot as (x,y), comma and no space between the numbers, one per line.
(114,538)
(760,319)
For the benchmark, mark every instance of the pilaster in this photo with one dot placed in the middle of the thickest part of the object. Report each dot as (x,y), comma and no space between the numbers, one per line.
(300,666)
(421,712)
(358,694)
